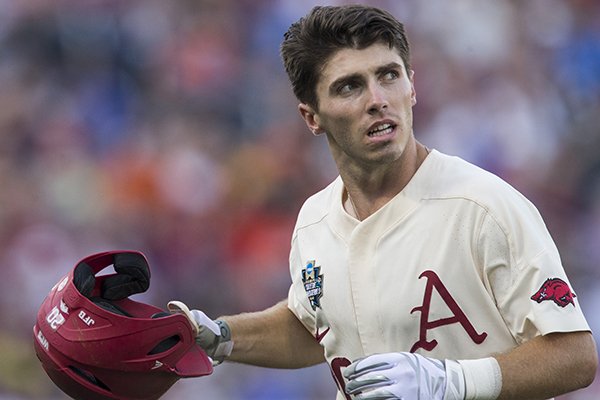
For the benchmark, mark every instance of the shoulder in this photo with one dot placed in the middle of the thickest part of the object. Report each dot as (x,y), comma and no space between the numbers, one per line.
(508,215)
(456,178)
(316,208)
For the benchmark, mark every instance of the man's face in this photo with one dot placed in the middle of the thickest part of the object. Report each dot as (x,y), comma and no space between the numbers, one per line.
(365,106)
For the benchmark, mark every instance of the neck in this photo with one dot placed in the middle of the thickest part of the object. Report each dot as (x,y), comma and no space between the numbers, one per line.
(366,192)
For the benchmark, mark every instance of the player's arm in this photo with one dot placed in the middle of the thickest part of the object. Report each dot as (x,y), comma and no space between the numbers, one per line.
(541,368)
(272,338)
(549,365)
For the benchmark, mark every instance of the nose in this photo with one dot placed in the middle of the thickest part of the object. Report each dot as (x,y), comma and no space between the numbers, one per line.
(377,101)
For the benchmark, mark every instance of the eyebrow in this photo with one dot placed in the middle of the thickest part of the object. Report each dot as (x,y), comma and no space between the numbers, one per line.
(343,80)
(357,76)
(388,66)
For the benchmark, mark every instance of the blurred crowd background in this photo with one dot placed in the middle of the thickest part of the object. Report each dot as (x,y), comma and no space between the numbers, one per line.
(169,127)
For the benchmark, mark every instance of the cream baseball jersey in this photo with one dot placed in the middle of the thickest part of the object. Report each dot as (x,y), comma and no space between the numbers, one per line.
(458,265)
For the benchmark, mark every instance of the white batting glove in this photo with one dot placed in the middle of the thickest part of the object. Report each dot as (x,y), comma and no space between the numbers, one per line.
(213,336)
(404,376)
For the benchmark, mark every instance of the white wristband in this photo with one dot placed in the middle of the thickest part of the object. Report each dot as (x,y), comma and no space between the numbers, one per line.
(455,381)
(483,378)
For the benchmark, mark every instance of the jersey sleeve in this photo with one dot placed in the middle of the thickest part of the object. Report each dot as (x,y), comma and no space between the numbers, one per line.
(297,300)
(519,258)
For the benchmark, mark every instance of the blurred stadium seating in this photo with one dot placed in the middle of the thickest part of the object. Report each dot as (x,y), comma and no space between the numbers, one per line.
(169,127)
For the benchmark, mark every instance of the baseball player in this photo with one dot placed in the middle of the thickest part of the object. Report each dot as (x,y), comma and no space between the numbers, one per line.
(415,275)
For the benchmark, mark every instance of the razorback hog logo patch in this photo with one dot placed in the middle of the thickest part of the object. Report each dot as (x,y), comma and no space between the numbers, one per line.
(557,290)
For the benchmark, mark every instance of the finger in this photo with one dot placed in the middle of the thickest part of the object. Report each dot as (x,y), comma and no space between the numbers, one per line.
(376,362)
(366,382)
(359,371)
(204,321)
(379,394)
(175,306)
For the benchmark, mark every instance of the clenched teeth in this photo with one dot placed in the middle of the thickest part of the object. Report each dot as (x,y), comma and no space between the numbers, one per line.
(380,130)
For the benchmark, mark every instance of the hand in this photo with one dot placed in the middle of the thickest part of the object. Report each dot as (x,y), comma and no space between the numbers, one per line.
(213,336)
(404,376)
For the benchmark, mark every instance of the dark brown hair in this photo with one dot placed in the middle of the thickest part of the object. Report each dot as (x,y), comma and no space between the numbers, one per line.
(311,41)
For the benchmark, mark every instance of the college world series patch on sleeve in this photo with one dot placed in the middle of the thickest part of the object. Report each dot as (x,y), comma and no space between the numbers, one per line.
(557,290)
(313,284)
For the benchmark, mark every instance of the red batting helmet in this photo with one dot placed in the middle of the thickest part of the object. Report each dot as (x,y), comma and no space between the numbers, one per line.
(97,344)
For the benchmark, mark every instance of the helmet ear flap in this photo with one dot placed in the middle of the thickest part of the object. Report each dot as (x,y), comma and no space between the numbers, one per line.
(133,276)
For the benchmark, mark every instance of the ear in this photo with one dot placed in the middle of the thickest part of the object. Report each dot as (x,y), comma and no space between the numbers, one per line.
(413,92)
(311,118)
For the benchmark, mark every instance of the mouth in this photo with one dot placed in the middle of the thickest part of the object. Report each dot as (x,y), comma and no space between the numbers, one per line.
(381,130)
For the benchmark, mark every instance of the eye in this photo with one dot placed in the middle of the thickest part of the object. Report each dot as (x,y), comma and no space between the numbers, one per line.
(346,88)
(391,75)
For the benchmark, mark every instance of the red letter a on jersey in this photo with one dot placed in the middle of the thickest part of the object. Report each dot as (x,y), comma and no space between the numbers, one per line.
(433,281)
